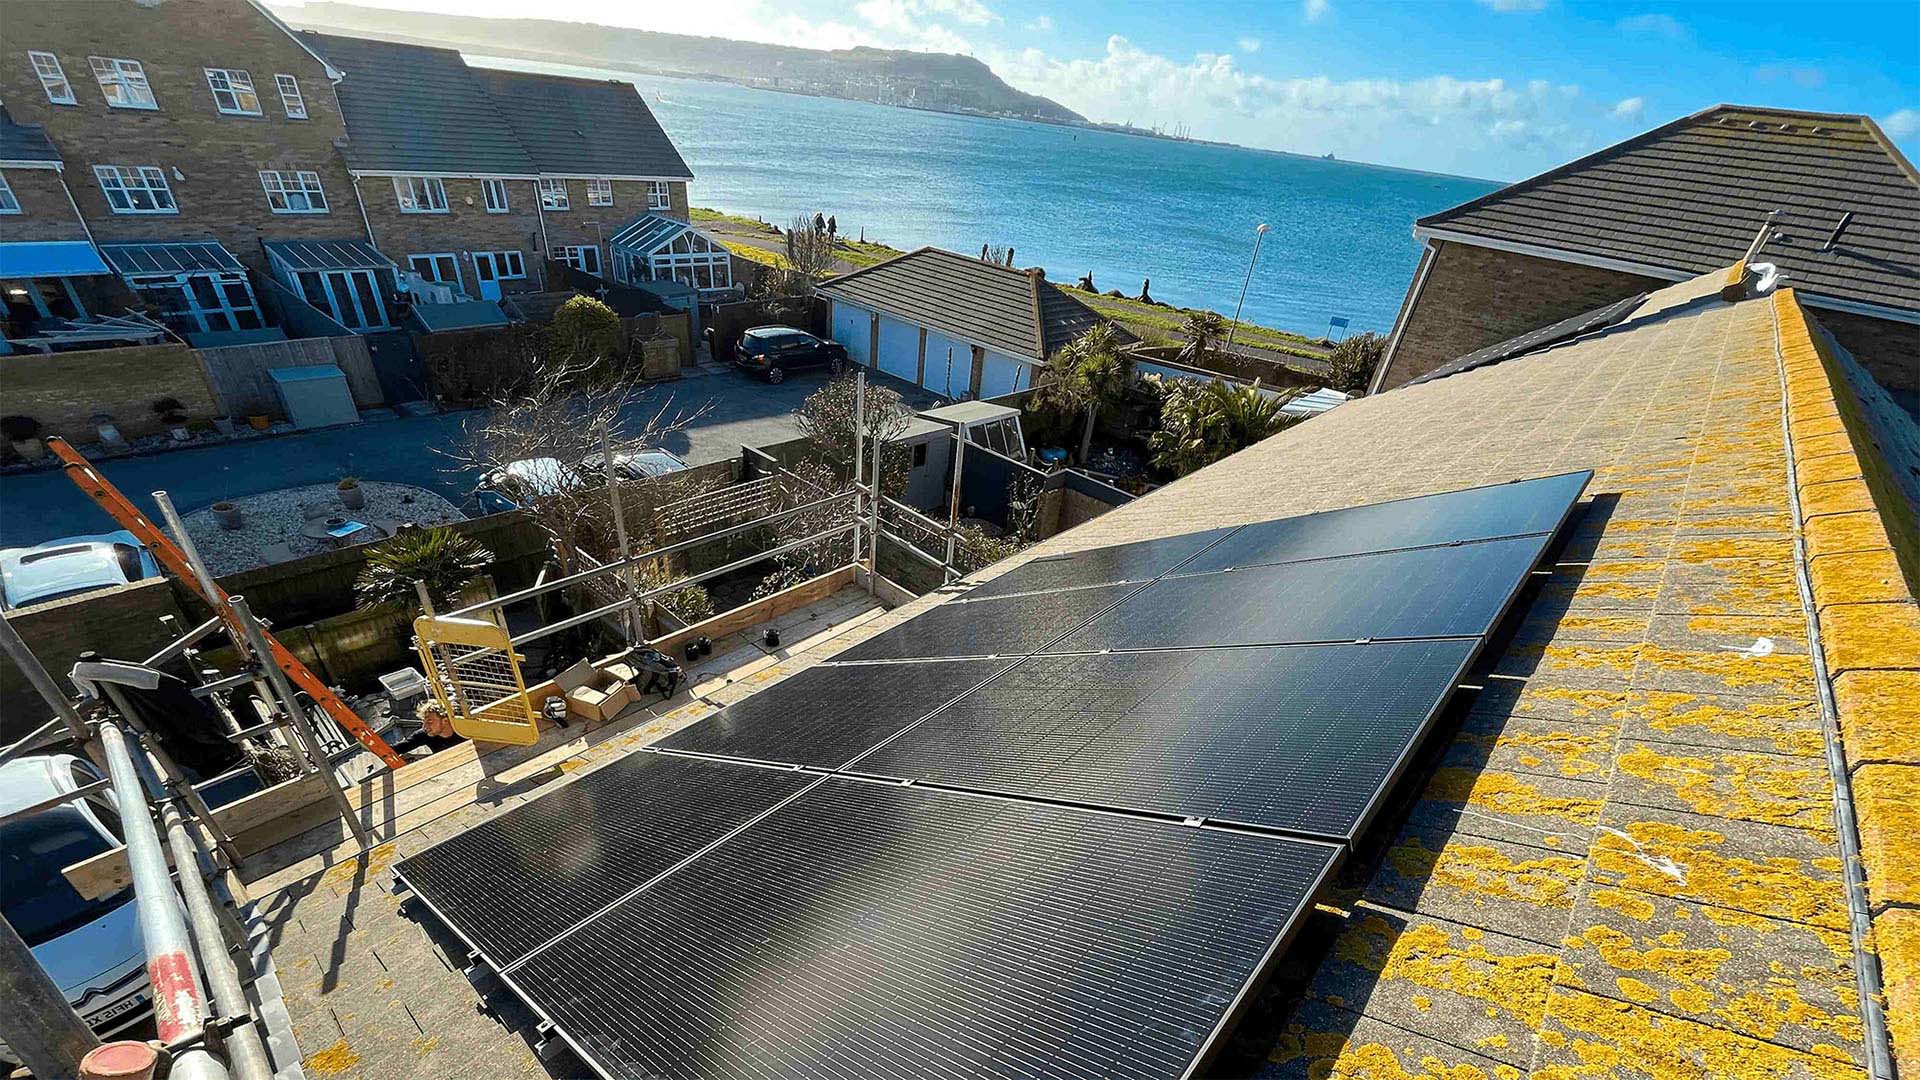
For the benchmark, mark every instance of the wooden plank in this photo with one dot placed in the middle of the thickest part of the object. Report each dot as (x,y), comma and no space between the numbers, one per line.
(762,610)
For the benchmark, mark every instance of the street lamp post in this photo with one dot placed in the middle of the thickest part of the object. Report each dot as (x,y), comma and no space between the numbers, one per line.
(1258,235)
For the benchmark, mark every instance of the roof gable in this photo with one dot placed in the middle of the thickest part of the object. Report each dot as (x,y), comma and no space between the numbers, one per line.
(1013,311)
(584,127)
(1690,195)
(411,108)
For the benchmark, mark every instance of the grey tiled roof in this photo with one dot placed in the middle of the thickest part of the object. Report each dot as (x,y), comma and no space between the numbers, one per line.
(584,127)
(24,142)
(1690,195)
(1013,311)
(410,108)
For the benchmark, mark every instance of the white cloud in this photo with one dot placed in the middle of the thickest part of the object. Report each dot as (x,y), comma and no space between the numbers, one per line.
(1632,108)
(1655,24)
(1249,44)
(1805,76)
(1315,10)
(1041,24)
(1902,124)
(1515,5)
(909,17)
(1479,127)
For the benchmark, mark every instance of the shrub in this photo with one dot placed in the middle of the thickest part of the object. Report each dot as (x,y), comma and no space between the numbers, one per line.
(1353,361)
(445,561)
(584,330)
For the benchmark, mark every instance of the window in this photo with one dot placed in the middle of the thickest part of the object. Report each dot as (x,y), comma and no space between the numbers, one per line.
(124,82)
(200,303)
(443,268)
(134,189)
(233,91)
(659,196)
(420,194)
(553,194)
(504,265)
(290,97)
(353,298)
(496,192)
(584,259)
(8,203)
(53,78)
(919,455)
(294,192)
(600,192)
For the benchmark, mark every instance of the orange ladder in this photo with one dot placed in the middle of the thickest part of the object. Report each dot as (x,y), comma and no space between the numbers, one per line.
(94,486)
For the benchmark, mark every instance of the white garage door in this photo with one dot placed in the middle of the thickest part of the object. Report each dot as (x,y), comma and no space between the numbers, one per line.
(853,327)
(899,348)
(949,366)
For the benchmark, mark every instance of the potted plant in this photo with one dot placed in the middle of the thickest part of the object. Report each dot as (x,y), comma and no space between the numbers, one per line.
(260,422)
(351,495)
(227,515)
(173,414)
(108,431)
(24,433)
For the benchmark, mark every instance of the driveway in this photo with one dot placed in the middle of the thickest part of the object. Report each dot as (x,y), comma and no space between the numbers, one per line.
(41,506)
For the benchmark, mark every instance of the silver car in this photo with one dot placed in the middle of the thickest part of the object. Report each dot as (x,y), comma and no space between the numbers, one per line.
(71,566)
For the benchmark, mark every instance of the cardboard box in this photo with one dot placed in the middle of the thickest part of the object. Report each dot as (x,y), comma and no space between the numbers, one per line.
(593,694)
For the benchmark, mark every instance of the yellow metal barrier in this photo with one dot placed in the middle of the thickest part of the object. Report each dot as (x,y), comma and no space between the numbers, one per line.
(475,675)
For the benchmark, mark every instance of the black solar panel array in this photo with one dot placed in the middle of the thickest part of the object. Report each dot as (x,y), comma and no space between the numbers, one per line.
(1055,827)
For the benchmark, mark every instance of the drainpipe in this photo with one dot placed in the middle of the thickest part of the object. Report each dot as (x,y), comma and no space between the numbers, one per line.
(365,221)
(540,212)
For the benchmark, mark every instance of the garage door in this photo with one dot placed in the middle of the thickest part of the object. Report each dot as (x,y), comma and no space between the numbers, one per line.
(853,327)
(899,348)
(949,366)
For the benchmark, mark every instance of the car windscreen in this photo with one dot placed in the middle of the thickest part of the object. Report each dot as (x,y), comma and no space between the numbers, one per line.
(36,898)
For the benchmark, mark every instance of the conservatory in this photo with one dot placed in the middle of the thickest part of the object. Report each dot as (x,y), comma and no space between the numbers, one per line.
(659,248)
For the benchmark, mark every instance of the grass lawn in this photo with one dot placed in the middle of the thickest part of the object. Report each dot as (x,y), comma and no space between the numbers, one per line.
(700,215)
(1159,322)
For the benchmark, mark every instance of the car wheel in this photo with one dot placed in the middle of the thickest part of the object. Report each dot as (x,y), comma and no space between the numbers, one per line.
(838,365)
(776,375)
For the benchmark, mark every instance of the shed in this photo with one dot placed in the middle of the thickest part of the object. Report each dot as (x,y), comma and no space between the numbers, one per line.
(314,396)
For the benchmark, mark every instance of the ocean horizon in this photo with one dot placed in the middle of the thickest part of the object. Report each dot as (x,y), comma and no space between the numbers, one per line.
(1126,208)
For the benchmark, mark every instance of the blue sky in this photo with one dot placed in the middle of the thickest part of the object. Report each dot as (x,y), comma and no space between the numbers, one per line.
(1491,88)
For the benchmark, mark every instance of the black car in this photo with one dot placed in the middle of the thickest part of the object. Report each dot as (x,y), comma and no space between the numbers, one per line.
(772,351)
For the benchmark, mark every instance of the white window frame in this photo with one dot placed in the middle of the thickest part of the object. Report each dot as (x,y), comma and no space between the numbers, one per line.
(126,180)
(202,316)
(233,90)
(294,191)
(420,194)
(600,191)
(574,255)
(291,99)
(659,195)
(342,289)
(9,202)
(123,83)
(495,194)
(53,77)
(553,195)
(432,259)
(507,265)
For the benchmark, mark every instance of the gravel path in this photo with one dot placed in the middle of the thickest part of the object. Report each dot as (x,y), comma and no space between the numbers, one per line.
(274,524)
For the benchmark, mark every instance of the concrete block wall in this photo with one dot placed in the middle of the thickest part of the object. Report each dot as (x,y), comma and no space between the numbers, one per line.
(64,390)
(122,623)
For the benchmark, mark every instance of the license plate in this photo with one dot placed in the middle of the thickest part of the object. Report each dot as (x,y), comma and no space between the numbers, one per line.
(119,1008)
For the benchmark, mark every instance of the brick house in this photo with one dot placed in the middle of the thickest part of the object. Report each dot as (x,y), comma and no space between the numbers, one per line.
(1667,205)
(48,265)
(192,133)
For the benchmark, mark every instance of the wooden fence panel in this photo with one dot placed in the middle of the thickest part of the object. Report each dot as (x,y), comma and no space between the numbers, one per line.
(240,381)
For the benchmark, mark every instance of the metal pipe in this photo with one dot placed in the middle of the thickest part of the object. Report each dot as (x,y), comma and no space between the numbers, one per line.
(632,620)
(297,717)
(52,801)
(246,1055)
(45,735)
(179,1006)
(953,497)
(1258,235)
(183,643)
(201,810)
(36,674)
(873,536)
(38,1023)
(208,587)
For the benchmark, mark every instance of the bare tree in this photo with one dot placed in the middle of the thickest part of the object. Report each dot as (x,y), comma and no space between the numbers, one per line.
(544,445)
(809,248)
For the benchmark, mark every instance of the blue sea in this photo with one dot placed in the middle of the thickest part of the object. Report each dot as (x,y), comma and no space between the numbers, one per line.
(1124,207)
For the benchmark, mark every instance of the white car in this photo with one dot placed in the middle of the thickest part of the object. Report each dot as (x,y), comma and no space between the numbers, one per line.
(74,565)
(644,465)
(519,482)
(91,948)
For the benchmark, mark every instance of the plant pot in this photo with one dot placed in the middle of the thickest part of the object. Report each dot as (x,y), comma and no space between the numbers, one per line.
(259,423)
(227,515)
(180,434)
(223,424)
(353,498)
(30,449)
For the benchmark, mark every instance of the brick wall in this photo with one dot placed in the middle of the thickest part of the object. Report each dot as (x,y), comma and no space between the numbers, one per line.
(1475,297)
(465,228)
(218,157)
(584,224)
(64,390)
(1890,351)
(121,623)
(45,213)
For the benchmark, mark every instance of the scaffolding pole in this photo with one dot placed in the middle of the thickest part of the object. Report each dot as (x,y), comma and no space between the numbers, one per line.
(953,497)
(179,1005)
(632,621)
(40,1027)
(201,811)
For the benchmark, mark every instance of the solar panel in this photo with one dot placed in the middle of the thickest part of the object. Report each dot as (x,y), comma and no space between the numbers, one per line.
(1013,626)
(869,930)
(826,716)
(1300,738)
(1140,561)
(518,879)
(1422,592)
(1517,509)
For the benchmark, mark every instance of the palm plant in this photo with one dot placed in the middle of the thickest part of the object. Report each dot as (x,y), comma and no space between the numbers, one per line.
(1201,423)
(440,558)
(1201,329)
(1086,375)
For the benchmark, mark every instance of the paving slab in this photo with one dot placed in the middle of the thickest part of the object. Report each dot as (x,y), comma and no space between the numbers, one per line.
(1513,889)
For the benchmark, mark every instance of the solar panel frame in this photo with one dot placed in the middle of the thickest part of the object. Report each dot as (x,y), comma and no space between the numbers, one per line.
(1024,624)
(530,979)
(1140,561)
